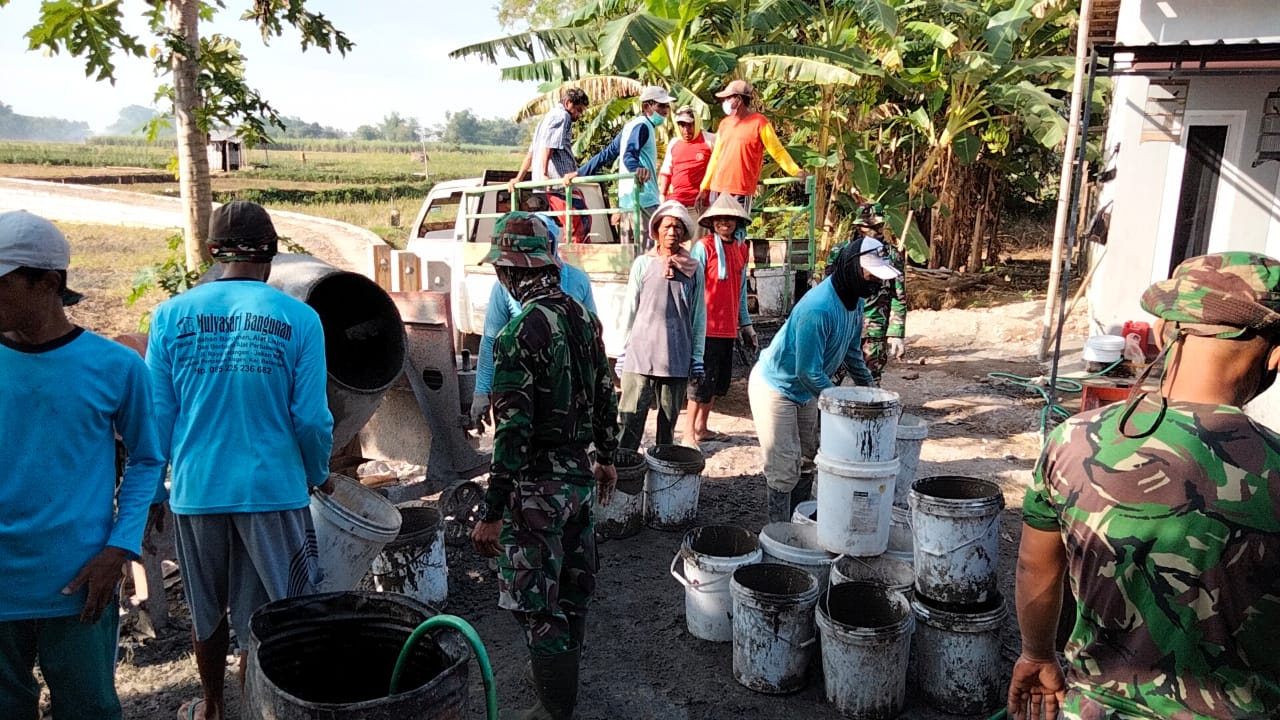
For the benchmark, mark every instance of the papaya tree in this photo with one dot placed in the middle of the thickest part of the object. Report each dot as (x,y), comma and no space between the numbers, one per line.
(208,87)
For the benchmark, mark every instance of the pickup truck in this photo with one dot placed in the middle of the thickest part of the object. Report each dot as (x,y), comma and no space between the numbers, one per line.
(452,233)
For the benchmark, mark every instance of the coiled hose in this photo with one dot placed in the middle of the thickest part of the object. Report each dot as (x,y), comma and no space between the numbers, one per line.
(1050,391)
(473,639)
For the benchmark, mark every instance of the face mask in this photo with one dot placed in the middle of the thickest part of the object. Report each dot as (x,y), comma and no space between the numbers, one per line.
(729,106)
(657,119)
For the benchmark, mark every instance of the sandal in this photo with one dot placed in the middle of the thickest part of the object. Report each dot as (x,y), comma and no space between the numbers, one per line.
(714,436)
(188,709)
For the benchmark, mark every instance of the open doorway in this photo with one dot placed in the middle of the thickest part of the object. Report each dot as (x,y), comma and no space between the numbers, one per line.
(1198,194)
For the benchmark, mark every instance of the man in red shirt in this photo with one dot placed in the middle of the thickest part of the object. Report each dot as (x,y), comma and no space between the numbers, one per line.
(686,162)
(724,265)
(741,141)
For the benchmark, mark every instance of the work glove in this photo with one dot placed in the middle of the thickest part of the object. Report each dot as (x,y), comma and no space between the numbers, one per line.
(897,348)
(479,414)
(749,337)
(620,363)
(699,370)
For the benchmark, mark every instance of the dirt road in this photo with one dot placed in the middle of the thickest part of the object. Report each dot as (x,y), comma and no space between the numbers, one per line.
(337,243)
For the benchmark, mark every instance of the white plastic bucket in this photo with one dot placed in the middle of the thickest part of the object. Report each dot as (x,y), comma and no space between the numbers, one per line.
(707,558)
(671,487)
(806,513)
(866,641)
(956,533)
(351,525)
(773,631)
(883,570)
(859,424)
(624,515)
(796,544)
(1104,349)
(854,505)
(954,650)
(901,546)
(912,431)
(414,562)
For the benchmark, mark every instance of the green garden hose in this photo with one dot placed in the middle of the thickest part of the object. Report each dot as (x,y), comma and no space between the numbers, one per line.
(1061,385)
(468,632)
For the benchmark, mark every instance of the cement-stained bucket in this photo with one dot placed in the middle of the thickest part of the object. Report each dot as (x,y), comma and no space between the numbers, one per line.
(796,544)
(854,505)
(955,649)
(866,641)
(624,515)
(414,563)
(912,432)
(806,513)
(901,545)
(955,525)
(893,574)
(671,486)
(706,561)
(352,525)
(859,424)
(331,656)
(773,631)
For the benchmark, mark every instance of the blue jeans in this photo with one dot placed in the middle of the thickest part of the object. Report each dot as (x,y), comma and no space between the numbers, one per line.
(78,662)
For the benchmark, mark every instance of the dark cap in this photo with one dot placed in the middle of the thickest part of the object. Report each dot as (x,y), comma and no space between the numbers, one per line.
(242,231)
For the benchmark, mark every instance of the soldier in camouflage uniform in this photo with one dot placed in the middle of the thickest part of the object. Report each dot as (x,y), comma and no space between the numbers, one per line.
(884,326)
(552,399)
(1164,512)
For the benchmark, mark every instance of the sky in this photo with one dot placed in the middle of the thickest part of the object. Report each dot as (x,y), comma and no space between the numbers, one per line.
(400,64)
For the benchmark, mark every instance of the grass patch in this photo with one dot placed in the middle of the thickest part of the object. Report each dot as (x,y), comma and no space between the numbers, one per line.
(104,261)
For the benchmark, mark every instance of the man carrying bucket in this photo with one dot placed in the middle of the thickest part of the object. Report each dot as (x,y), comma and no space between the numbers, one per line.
(552,399)
(238,374)
(1165,515)
(819,337)
(66,530)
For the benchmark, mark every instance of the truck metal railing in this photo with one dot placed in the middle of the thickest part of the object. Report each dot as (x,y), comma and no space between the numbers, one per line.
(569,211)
(796,214)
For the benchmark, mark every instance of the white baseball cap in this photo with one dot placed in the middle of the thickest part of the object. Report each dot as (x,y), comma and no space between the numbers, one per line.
(656,94)
(28,240)
(873,262)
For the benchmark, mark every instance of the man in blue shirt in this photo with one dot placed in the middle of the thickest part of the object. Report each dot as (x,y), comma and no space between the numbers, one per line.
(822,334)
(636,150)
(65,529)
(502,307)
(238,374)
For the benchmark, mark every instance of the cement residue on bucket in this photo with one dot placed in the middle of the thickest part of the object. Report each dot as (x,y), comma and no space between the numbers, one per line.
(672,485)
(866,630)
(773,630)
(623,517)
(954,647)
(706,560)
(352,525)
(332,655)
(859,424)
(796,544)
(956,531)
(889,572)
(414,563)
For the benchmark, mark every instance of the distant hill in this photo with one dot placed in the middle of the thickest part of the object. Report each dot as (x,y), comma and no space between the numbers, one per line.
(28,127)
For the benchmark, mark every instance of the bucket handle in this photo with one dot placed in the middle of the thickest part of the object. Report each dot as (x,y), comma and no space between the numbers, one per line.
(693,584)
(679,479)
(936,549)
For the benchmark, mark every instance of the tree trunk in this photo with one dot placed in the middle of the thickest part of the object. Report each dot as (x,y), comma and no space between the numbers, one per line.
(193,159)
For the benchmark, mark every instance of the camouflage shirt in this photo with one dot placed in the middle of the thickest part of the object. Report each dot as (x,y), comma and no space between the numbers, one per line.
(1173,546)
(886,311)
(552,396)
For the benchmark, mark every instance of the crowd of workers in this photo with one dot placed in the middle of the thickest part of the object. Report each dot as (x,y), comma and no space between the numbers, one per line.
(1162,512)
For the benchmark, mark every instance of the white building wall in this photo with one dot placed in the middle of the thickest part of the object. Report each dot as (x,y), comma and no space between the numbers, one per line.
(1148,175)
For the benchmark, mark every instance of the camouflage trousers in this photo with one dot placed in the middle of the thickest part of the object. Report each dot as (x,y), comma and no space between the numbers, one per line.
(875,351)
(548,567)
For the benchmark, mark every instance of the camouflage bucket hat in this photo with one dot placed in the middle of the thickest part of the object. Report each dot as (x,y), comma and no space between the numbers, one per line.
(520,239)
(1226,294)
(870,215)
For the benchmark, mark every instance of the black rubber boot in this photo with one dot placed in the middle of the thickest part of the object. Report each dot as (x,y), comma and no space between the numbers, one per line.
(779,506)
(577,635)
(801,492)
(556,684)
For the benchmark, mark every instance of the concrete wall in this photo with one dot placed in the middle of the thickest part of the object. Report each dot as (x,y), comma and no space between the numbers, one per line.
(1145,190)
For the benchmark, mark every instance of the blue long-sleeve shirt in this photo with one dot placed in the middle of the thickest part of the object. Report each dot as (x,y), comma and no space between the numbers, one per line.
(601,161)
(818,337)
(239,376)
(503,307)
(61,406)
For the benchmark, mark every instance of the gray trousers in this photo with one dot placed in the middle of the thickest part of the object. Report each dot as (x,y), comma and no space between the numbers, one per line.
(633,408)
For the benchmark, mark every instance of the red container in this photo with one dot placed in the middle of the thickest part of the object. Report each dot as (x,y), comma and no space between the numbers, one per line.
(1143,331)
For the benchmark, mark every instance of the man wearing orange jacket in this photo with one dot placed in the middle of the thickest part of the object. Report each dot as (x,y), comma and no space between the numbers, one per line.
(742,139)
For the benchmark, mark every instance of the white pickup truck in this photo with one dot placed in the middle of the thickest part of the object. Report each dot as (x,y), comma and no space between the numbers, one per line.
(452,233)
